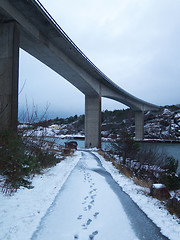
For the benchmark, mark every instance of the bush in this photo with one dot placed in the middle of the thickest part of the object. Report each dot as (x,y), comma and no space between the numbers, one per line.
(15,164)
(46,159)
(146,164)
(125,146)
(171,165)
(171,181)
(18,161)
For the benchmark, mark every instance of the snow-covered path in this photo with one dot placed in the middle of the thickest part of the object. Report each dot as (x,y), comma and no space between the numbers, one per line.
(91,205)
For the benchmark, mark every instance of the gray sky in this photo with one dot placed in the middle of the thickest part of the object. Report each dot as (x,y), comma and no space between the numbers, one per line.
(136,43)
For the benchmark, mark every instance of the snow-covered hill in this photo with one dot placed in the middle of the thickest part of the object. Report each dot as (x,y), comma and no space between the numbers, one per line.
(162,124)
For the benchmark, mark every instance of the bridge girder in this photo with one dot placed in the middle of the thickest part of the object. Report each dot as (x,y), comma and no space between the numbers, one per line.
(49,43)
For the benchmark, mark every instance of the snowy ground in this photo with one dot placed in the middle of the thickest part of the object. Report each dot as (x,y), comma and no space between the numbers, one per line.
(20,214)
(85,208)
(79,182)
(153,208)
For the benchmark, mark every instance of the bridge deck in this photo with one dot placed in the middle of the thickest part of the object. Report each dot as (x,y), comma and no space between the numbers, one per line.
(44,39)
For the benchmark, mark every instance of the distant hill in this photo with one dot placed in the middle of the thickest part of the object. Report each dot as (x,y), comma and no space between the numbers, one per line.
(162,124)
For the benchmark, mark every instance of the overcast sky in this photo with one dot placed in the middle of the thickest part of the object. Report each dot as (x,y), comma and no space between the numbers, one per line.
(136,43)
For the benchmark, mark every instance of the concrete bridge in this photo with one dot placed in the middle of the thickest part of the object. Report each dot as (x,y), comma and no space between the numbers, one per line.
(26,24)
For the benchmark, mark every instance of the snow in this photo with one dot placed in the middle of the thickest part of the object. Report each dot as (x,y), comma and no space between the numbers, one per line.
(86,210)
(23,213)
(158,186)
(166,112)
(51,131)
(177,115)
(169,224)
(24,126)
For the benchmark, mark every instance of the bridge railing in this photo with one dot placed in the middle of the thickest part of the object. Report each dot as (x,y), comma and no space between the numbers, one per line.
(70,41)
(64,34)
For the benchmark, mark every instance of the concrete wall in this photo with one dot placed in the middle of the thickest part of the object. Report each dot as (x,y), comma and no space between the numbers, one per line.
(92,121)
(9,69)
(139,125)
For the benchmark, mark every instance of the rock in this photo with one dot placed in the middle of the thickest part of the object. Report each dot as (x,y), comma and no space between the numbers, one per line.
(174,205)
(159,191)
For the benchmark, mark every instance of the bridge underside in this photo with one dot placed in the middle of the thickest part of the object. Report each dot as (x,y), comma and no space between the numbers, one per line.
(25,24)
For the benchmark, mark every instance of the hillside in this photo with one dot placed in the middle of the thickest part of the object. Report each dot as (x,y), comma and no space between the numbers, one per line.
(162,124)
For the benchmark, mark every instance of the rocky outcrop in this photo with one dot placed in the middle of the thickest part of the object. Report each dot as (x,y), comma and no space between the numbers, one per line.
(174,205)
(159,191)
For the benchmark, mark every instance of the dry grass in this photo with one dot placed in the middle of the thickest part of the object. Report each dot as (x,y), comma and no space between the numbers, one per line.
(67,152)
(142,182)
(124,170)
(174,210)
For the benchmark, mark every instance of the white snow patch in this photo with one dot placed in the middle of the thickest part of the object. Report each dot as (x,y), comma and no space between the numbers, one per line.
(177,115)
(21,213)
(158,185)
(166,112)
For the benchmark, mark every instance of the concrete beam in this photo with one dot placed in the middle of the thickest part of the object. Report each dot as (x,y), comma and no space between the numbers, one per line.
(120,95)
(92,121)
(9,69)
(139,125)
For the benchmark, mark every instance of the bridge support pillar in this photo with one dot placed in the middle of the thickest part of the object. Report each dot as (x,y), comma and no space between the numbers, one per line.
(9,71)
(92,121)
(139,125)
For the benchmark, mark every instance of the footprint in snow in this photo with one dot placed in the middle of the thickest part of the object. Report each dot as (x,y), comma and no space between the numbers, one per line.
(96,214)
(93,196)
(92,202)
(85,209)
(84,226)
(88,221)
(76,236)
(93,235)
(89,207)
(79,217)
(94,190)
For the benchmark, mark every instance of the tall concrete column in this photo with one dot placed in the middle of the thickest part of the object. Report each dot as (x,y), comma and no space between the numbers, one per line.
(139,125)
(9,71)
(92,121)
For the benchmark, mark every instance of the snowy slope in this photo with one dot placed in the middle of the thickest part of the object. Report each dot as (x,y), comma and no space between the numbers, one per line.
(21,213)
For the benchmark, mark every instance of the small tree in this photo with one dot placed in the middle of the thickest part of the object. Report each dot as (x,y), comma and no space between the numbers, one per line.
(125,145)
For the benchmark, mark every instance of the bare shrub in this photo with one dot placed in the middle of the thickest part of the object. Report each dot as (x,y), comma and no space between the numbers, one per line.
(21,157)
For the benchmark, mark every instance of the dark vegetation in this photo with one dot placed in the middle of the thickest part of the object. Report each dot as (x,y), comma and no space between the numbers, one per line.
(148,165)
(20,159)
